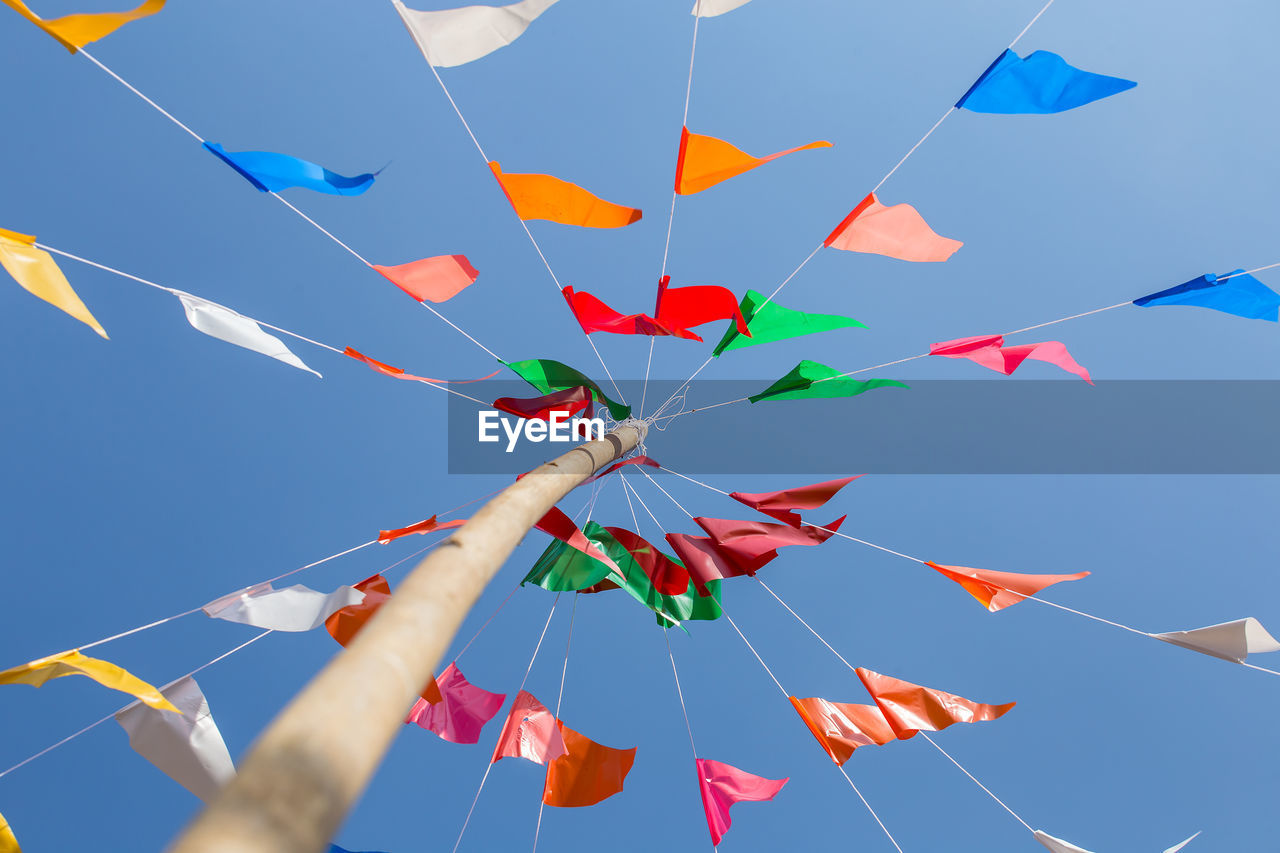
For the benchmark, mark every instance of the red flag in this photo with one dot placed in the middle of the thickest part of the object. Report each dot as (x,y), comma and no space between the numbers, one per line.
(910,708)
(575,401)
(778,504)
(705,562)
(990,352)
(747,541)
(587,773)
(685,307)
(462,711)
(667,576)
(529,732)
(722,785)
(430,524)
(594,315)
(397,373)
(432,279)
(841,727)
(634,460)
(556,523)
(998,590)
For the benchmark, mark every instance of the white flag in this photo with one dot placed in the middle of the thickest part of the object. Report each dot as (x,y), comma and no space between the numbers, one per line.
(1175,848)
(295,608)
(711,8)
(219,321)
(186,747)
(452,37)
(1057,845)
(1233,641)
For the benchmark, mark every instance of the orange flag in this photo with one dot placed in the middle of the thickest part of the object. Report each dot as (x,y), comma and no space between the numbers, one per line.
(910,708)
(587,773)
(998,590)
(705,161)
(75,31)
(430,524)
(896,232)
(547,197)
(841,728)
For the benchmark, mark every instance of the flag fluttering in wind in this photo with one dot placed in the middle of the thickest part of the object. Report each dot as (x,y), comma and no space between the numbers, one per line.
(722,785)
(1057,845)
(990,352)
(461,713)
(712,8)
(270,172)
(1041,83)
(897,231)
(435,279)
(8,842)
(767,321)
(705,161)
(42,670)
(425,526)
(38,274)
(686,307)
(547,376)
(537,196)
(397,373)
(812,380)
(587,773)
(634,460)
(910,708)
(781,504)
(706,563)
(747,542)
(451,37)
(593,315)
(530,732)
(294,608)
(564,568)
(1234,293)
(841,727)
(556,523)
(1233,641)
(998,590)
(219,321)
(75,31)
(575,401)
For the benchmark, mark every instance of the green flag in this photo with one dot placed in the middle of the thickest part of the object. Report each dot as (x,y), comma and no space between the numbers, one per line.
(771,322)
(547,376)
(809,379)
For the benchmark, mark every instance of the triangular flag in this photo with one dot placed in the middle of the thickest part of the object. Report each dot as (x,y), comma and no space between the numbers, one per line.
(187,746)
(294,608)
(898,231)
(745,542)
(463,711)
(397,373)
(556,523)
(547,376)
(451,37)
(705,161)
(1234,293)
(530,732)
(813,380)
(8,843)
(998,590)
(572,402)
(436,279)
(910,708)
(593,315)
(712,8)
(706,562)
(1233,641)
(1041,83)
(686,307)
(76,31)
(564,568)
(1057,845)
(38,672)
(990,352)
(36,271)
(538,196)
(270,172)
(425,526)
(587,773)
(219,321)
(634,460)
(841,727)
(768,321)
(780,504)
(722,785)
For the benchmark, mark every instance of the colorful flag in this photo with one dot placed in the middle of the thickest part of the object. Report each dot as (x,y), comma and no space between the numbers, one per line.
(463,710)
(530,732)
(685,307)
(425,526)
(748,542)
(780,504)
(898,231)
(910,708)
(76,31)
(767,321)
(564,568)
(634,460)
(712,8)
(722,785)
(1234,293)
(811,380)
(37,273)
(1057,845)
(706,562)
(295,608)
(990,352)
(587,773)
(841,727)
(39,671)
(658,581)
(219,321)
(1041,83)
(1233,641)
(556,523)
(998,590)
(436,279)
(8,843)
(547,376)
(573,402)
(397,373)
(593,315)
(451,37)
(705,161)
(270,172)
(537,196)
(187,746)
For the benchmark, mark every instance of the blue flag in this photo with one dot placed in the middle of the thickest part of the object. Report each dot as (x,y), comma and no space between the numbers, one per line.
(1041,83)
(1236,293)
(269,172)
(333,848)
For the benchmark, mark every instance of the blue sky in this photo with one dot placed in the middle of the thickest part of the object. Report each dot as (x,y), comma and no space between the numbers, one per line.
(159,470)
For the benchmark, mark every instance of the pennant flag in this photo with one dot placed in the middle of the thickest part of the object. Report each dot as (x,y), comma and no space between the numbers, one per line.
(38,672)
(463,711)
(536,196)
(451,37)
(547,376)
(426,526)
(219,321)
(1175,848)
(187,746)
(75,31)
(990,352)
(587,773)
(998,590)
(556,523)
(780,504)
(841,727)
(573,402)
(705,161)
(634,460)
(563,568)
(333,848)
(8,843)
(1233,293)
(895,232)
(294,608)
(722,785)
(1233,641)
(397,373)
(685,307)
(1041,83)
(746,542)
(811,380)
(712,8)
(270,172)
(530,732)
(910,708)
(437,279)
(37,273)
(669,577)
(767,321)
(706,563)
(1057,845)
(593,315)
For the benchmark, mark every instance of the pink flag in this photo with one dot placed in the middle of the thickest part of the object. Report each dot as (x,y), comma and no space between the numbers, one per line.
(432,279)
(896,232)
(722,785)
(998,590)
(779,504)
(705,562)
(462,713)
(530,732)
(556,523)
(747,541)
(990,352)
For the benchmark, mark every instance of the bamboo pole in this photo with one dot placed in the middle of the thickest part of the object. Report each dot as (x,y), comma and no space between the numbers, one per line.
(311,764)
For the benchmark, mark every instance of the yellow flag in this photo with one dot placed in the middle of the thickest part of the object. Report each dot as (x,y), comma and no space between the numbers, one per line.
(36,271)
(8,844)
(104,672)
(75,31)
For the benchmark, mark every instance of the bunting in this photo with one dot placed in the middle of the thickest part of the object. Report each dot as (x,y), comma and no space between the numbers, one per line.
(397,373)
(706,563)
(745,542)
(593,315)
(722,785)
(767,321)
(556,523)
(37,273)
(270,172)
(536,196)
(910,708)
(1041,83)
(998,590)
(452,37)
(40,671)
(436,279)
(841,727)
(898,232)
(295,608)
(781,504)
(1234,293)
(547,376)
(705,161)
(990,352)
(530,732)
(219,321)
(75,31)
(712,8)
(462,711)
(587,773)
(424,526)
(572,402)
(1233,641)
(1057,845)
(812,380)
(685,307)
(634,460)
(8,843)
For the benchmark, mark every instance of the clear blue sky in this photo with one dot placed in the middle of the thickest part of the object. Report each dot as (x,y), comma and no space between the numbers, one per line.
(159,470)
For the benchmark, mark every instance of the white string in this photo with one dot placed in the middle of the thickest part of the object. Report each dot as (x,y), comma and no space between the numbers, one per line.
(884,828)
(936,125)
(125,83)
(542,803)
(680,693)
(477,634)
(1019,36)
(668,494)
(1249,272)
(757,654)
(806,624)
(976,782)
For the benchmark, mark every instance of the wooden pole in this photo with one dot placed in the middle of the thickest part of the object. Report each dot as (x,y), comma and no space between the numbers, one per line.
(309,767)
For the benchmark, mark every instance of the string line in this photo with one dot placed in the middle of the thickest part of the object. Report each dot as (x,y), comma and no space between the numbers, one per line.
(542,803)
